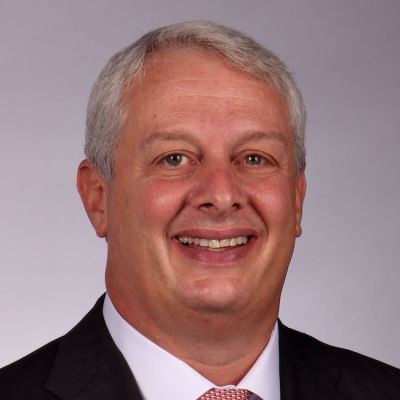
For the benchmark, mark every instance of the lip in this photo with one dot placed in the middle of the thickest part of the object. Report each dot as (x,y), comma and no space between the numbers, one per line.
(216,234)
(215,258)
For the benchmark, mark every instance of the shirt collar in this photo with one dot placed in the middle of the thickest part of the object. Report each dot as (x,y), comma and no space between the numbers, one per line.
(174,378)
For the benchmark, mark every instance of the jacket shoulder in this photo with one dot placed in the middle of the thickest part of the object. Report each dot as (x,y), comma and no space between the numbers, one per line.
(356,375)
(26,378)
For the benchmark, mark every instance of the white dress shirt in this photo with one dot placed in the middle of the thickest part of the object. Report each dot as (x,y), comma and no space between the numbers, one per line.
(160,375)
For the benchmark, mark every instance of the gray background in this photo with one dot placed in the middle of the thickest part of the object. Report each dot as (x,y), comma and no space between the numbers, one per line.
(344,278)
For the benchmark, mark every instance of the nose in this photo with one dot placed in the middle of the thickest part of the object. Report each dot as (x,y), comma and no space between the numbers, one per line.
(217,190)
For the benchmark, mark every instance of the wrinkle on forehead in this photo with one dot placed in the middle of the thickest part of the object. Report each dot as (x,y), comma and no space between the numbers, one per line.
(185,136)
(187,67)
(173,71)
(187,96)
(202,90)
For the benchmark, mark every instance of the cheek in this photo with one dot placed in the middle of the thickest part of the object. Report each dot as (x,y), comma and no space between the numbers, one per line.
(274,199)
(158,202)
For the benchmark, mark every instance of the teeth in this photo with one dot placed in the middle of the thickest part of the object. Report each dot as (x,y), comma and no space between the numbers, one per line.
(213,243)
(203,243)
(224,243)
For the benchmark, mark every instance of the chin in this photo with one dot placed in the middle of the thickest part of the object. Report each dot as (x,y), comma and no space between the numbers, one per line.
(214,297)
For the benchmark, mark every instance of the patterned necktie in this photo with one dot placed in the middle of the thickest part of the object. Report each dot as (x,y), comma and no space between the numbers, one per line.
(226,394)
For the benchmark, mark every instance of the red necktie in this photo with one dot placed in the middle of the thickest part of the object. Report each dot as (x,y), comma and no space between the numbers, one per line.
(226,394)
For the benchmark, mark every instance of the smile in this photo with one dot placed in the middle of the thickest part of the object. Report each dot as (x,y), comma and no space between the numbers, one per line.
(213,244)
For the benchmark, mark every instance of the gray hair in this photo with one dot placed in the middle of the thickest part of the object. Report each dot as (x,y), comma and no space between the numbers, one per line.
(106,115)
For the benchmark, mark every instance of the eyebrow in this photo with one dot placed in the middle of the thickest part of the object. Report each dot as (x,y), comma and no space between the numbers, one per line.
(168,137)
(246,137)
(259,136)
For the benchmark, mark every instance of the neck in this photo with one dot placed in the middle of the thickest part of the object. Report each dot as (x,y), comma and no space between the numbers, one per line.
(227,360)
(221,347)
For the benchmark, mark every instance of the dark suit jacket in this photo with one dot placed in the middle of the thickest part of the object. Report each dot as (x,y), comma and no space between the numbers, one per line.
(85,364)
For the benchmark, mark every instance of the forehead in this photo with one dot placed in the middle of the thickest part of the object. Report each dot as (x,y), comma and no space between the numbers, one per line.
(180,88)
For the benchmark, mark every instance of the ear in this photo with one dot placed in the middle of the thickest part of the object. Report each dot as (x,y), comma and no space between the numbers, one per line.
(301,187)
(92,187)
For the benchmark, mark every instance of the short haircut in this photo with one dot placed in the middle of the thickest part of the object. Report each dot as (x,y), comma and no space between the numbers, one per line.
(106,115)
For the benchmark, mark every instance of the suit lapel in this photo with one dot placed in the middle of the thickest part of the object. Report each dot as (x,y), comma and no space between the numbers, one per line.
(88,365)
(305,371)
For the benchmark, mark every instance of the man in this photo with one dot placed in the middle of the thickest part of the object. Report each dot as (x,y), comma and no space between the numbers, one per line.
(195,177)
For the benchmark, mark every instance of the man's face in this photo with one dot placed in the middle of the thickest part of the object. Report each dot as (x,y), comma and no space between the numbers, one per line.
(205,204)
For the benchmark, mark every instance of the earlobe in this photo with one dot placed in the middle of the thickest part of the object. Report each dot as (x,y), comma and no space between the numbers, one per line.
(92,187)
(301,187)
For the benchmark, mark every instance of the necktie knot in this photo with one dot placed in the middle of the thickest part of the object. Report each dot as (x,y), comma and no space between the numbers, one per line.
(226,394)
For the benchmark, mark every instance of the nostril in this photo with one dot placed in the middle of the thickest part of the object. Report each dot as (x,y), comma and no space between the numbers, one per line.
(208,206)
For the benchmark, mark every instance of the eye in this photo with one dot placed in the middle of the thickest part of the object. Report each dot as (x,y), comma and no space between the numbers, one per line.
(256,163)
(254,159)
(175,159)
